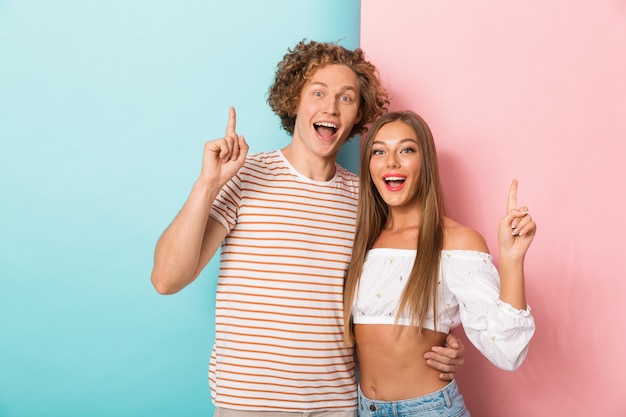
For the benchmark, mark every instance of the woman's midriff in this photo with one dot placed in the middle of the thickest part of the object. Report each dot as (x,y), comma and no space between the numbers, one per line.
(391,361)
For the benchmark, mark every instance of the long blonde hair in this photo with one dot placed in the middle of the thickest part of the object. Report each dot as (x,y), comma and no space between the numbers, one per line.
(420,294)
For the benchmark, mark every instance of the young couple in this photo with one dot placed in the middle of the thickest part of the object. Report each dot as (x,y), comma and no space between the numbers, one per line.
(294,228)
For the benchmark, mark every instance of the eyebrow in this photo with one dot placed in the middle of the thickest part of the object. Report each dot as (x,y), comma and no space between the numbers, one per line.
(378,142)
(342,89)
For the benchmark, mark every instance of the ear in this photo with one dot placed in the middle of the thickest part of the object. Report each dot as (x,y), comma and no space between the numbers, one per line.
(359,116)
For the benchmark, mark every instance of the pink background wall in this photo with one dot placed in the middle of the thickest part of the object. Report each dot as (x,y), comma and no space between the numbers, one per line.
(536,91)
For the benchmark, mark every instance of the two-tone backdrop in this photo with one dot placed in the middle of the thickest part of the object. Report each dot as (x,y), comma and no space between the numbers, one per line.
(105,107)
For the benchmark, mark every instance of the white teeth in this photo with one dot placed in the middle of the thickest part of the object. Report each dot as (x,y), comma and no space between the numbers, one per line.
(326,124)
(394,179)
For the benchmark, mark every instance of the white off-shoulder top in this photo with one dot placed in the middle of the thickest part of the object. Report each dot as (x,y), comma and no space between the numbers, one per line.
(468,294)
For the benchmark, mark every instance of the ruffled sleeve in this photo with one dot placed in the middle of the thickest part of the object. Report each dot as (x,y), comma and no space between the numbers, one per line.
(499,331)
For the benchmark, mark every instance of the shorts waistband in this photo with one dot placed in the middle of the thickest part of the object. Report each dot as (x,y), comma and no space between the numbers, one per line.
(443,397)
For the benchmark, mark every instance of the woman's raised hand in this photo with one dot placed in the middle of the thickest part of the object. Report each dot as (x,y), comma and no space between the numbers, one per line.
(516,230)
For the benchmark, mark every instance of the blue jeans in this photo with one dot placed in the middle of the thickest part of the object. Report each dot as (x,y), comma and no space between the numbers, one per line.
(447,402)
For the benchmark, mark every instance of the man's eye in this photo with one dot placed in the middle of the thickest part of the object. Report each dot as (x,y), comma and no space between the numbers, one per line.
(317,93)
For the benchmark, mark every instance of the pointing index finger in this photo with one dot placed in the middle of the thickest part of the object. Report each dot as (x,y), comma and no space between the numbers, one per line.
(232,122)
(512,203)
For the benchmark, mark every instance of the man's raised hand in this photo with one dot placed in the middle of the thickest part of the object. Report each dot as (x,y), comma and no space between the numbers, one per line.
(224,157)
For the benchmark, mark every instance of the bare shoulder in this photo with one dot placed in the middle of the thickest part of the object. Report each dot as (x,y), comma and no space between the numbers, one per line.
(459,237)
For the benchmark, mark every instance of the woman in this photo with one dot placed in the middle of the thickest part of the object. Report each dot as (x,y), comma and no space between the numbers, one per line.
(410,261)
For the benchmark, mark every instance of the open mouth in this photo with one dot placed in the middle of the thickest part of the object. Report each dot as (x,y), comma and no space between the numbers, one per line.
(325,129)
(393,181)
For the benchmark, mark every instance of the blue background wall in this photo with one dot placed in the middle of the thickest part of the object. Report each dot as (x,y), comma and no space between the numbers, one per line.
(104,109)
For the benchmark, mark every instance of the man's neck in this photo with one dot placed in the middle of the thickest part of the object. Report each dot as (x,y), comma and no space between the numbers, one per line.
(312,166)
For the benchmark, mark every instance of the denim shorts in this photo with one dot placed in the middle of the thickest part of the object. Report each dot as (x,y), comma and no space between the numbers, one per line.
(447,402)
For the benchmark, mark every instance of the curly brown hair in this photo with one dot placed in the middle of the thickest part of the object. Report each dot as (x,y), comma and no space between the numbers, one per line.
(303,60)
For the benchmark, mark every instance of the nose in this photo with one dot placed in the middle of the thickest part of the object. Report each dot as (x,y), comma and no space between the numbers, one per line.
(330,106)
(392,160)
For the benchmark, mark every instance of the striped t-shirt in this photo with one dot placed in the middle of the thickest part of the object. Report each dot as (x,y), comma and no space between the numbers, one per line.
(279,314)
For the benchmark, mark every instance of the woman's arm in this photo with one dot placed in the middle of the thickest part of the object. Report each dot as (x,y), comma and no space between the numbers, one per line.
(515,234)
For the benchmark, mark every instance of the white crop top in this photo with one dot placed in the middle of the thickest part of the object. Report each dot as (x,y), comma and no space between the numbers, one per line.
(468,294)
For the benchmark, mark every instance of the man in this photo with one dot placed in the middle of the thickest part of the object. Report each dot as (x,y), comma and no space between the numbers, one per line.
(285,220)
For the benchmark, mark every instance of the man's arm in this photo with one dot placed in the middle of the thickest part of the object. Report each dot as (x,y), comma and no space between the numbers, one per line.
(193,237)
(188,243)
(448,359)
